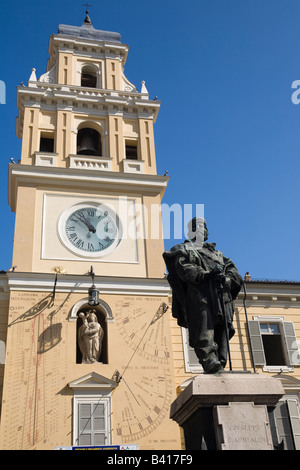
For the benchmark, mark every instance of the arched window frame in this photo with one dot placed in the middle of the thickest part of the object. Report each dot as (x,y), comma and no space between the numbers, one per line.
(93,69)
(84,302)
(96,127)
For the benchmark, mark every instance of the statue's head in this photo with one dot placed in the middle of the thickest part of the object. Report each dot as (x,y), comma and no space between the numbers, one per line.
(91,316)
(197,230)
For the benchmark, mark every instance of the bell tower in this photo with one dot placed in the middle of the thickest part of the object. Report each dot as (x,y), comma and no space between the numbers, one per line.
(87,197)
(87,143)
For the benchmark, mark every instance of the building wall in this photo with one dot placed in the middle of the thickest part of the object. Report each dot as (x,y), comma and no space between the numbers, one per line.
(37,407)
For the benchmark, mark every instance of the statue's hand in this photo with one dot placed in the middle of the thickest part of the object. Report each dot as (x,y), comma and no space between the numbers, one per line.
(216,271)
(227,284)
(213,274)
(223,282)
(219,279)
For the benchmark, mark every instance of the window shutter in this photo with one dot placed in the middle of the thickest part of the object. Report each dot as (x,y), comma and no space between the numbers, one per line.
(256,343)
(291,343)
(84,423)
(99,424)
(92,424)
(294,412)
(192,357)
(283,427)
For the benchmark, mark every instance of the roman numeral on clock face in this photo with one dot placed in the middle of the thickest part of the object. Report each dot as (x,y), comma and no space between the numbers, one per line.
(90,230)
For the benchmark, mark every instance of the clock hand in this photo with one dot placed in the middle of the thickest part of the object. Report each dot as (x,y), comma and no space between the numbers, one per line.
(87,223)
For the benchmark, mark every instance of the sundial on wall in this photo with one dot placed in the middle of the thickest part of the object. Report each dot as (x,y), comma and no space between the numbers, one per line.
(146,380)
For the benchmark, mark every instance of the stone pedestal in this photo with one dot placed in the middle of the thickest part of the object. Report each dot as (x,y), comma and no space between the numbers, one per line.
(227,411)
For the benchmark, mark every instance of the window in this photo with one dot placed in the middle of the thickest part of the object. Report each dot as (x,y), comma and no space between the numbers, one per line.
(89,76)
(47,143)
(286,421)
(92,410)
(92,423)
(274,343)
(131,150)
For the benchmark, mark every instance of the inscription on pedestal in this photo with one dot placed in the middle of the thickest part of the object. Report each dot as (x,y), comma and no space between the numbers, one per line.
(242,426)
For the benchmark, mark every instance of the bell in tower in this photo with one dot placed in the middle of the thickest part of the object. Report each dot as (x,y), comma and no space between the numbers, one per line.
(88,142)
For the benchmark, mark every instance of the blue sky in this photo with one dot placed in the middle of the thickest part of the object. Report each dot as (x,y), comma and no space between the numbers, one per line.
(227,133)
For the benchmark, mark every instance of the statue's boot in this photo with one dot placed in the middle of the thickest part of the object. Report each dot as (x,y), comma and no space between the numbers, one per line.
(211,364)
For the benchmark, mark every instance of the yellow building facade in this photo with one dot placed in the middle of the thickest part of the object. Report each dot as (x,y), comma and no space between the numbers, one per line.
(87,197)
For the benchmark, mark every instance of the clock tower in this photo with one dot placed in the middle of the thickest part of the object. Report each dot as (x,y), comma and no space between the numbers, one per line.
(87,197)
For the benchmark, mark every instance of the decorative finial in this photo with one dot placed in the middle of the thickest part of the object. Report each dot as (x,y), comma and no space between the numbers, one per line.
(87,18)
(32,77)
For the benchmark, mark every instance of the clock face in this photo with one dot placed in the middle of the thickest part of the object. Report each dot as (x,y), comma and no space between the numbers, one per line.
(89,229)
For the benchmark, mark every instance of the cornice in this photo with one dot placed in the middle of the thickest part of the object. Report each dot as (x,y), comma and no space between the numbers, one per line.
(78,99)
(72,41)
(82,179)
(268,293)
(37,90)
(272,288)
(56,90)
(44,282)
(77,45)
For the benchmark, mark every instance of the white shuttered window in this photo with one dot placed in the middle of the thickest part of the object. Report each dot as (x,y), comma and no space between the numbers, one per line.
(287,421)
(274,343)
(92,421)
(92,424)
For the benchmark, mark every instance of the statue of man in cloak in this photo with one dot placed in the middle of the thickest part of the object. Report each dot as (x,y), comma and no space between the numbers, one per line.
(205,284)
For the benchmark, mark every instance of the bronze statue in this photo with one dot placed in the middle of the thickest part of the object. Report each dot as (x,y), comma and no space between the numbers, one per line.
(205,284)
(90,337)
